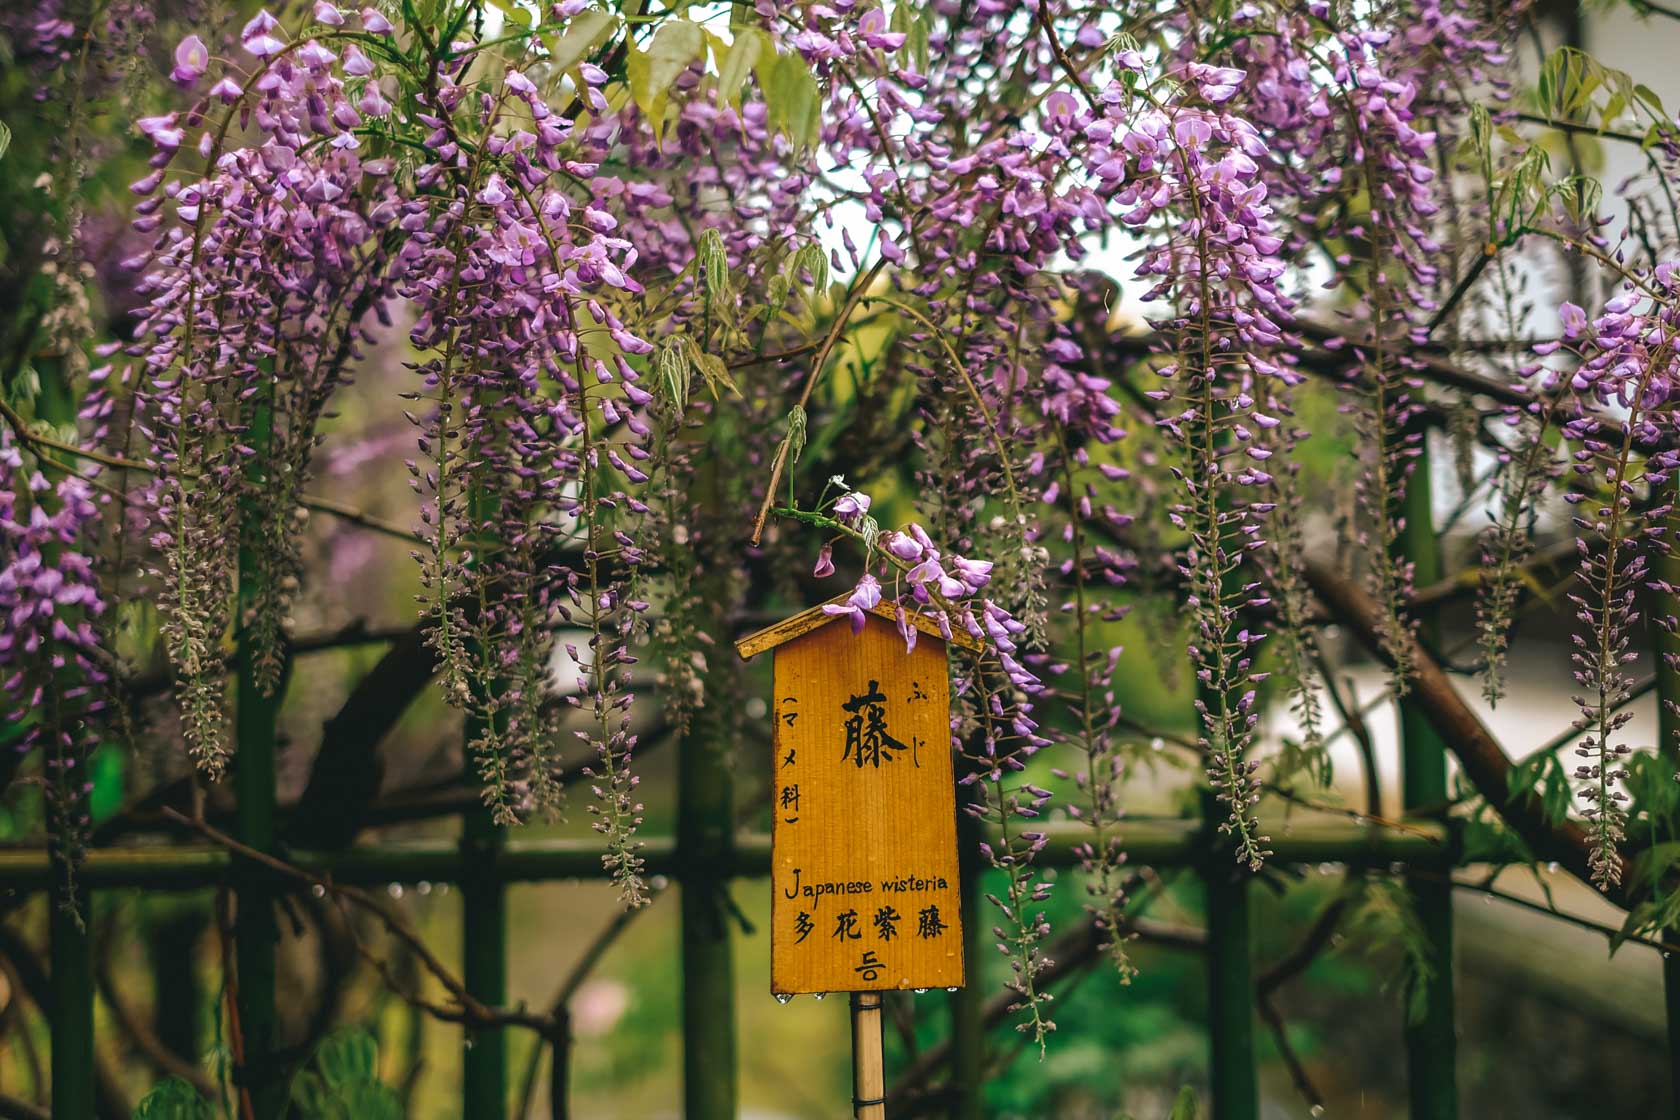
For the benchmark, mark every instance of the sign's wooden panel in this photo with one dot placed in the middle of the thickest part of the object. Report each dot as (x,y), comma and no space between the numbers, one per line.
(864,842)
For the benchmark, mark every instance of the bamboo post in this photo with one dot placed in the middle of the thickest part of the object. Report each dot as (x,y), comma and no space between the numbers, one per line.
(1236,1092)
(256,931)
(1667,568)
(968,1003)
(483,922)
(706,842)
(869,1074)
(1431,1044)
(71,960)
(483,960)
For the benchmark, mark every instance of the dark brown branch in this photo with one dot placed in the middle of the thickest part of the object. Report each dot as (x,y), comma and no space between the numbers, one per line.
(11,1108)
(467,1008)
(156,1053)
(1479,754)
(1291,965)
(27,966)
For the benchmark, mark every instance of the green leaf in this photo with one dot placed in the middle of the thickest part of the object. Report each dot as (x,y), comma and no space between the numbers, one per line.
(368,1100)
(796,433)
(5,139)
(1186,1106)
(713,369)
(744,53)
(675,46)
(911,21)
(673,369)
(344,1083)
(583,34)
(791,89)
(347,1056)
(173,1099)
(516,13)
(813,260)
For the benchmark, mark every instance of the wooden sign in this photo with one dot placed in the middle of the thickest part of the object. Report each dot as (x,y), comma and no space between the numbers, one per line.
(864,839)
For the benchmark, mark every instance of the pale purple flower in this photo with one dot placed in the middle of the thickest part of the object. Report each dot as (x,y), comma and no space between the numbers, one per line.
(192,59)
(851,507)
(1574,320)
(866,596)
(903,546)
(258,36)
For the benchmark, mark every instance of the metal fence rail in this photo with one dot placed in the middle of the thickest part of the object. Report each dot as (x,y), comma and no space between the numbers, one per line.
(489,869)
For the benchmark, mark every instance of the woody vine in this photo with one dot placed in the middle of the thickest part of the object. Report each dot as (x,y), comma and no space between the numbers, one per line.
(681,298)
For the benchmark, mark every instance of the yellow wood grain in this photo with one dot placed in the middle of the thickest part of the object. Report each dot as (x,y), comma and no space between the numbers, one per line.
(855,831)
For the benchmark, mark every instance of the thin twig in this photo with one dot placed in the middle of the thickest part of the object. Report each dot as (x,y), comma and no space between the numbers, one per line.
(859,288)
(470,1010)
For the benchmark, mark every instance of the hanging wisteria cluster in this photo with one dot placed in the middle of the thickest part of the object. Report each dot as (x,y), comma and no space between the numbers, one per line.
(685,301)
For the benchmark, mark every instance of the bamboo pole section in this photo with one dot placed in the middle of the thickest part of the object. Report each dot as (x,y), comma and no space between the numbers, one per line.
(483,960)
(1667,568)
(1159,843)
(869,1072)
(256,932)
(483,917)
(968,1003)
(70,955)
(706,841)
(1431,1041)
(1230,979)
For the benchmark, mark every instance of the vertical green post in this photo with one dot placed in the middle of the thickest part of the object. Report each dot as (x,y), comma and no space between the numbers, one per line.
(71,959)
(1431,1042)
(1668,742)
(483,960)
(1230,976)
(705,840)
(968,1003)
(706,834)
(256,933)
(483,923)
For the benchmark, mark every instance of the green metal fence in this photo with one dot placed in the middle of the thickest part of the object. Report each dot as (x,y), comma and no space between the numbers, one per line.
(483,870)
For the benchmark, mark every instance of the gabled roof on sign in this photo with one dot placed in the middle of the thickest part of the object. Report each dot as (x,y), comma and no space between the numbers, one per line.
(815,619)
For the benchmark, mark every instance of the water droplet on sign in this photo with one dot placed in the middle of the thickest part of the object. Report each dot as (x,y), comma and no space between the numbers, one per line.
(951,989)
(819,995)
(782,997)
(921,991)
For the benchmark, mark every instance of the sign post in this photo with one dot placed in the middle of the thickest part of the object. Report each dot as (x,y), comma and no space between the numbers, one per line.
(864,879)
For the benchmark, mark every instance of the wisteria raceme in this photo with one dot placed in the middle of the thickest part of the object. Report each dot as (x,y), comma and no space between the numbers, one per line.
(514,460)
(262,273)
(54,665)
(1627,382)
(1187,168)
